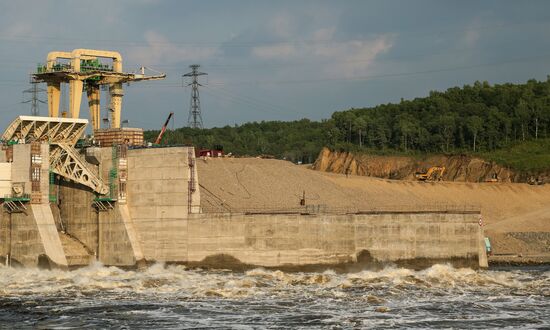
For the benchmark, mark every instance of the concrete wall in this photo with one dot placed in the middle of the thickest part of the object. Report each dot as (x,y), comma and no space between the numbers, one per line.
(431,236)
(49,236)
(78,217)
(301,240)
(153,224)
(5,178)
(45,173)
(20,172)
(157,203)
(271,240)
(298,241)
(158,181)
(115,244)
(30,242)
(30,236)
(22,238)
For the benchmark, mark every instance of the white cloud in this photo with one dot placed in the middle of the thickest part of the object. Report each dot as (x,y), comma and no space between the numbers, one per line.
(349,58)
(355,58)
(159,49)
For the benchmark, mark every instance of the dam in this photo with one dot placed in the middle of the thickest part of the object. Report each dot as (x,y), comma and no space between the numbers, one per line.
(68,202)
(66,206)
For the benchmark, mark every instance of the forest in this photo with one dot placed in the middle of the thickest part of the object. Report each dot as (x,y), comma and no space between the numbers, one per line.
(478,118)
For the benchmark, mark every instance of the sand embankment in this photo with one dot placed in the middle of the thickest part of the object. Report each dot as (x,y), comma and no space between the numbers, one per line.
(516,216)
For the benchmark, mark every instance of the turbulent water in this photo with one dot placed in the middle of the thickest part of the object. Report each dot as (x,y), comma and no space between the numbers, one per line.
(176,297)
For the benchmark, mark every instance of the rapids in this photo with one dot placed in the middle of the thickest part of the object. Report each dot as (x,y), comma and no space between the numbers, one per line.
(176,297)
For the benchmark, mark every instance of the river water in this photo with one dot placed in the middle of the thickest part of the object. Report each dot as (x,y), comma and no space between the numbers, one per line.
(176,297)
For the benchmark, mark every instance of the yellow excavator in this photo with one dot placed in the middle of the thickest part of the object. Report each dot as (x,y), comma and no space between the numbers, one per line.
(434,173)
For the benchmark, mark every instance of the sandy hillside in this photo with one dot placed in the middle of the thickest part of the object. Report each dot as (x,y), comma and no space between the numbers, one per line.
(250,183)
(461,168)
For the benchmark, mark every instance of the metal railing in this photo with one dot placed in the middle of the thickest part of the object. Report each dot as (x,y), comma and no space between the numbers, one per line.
(327,209)
(22,197)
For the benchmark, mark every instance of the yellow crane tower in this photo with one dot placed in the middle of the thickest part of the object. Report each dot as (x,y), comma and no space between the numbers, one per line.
(82,68)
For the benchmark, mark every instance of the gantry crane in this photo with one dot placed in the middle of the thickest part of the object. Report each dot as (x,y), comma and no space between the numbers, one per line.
(84,69)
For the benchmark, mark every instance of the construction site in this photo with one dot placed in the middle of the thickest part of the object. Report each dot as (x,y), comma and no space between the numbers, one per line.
(67,204)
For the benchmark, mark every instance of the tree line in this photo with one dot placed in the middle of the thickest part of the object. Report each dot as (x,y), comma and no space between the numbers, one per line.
(475,118)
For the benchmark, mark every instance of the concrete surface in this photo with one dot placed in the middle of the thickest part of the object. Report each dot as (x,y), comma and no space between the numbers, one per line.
(158,191)
(302,240)
(153,225)
(48,234)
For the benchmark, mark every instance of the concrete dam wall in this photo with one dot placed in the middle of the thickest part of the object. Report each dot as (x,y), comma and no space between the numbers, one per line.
(155,214)
(306,241)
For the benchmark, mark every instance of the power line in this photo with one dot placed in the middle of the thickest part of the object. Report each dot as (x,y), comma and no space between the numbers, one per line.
(34,99)
(255,102)
(365,77)
(195,117)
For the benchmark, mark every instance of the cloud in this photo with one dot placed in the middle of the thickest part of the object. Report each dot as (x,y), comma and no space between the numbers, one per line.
(350,58)
(355,58)
(159,49)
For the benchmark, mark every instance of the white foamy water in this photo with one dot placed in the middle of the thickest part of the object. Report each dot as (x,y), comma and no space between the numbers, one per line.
(177,297)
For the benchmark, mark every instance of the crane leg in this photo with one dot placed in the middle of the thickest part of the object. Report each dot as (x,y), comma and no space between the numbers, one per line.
(75,97)
(116,103)
(94,97)
(54,95)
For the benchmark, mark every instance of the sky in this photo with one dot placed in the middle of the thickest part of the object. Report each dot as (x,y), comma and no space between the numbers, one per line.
(277,60)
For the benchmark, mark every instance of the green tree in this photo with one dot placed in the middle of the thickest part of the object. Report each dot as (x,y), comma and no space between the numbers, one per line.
(474,124)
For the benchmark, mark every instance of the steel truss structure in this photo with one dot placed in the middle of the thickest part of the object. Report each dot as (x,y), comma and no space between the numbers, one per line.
(62,134)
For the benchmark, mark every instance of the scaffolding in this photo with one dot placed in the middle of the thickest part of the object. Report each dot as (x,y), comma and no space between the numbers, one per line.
(192,182)
(53,193)
(16,204)
(113,174)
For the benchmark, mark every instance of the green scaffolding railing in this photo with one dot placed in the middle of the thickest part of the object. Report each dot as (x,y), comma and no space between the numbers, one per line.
(22,198)
(52,193)
(113,174)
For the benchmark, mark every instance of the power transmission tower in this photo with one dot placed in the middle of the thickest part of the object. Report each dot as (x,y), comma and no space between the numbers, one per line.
(195,118)
(33,98)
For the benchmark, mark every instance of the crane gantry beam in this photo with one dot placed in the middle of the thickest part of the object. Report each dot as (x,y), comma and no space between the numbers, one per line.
(84,68)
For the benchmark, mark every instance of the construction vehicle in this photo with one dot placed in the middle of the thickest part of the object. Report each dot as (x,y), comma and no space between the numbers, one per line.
(434,173)
(163,129)
(494,178)
(538,181)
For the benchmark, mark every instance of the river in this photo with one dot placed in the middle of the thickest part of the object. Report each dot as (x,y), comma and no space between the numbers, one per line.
(176,297)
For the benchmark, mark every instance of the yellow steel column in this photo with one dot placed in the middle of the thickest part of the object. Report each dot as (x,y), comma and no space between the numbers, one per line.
(75,97)
(54,95)
(94,105)
(116,103)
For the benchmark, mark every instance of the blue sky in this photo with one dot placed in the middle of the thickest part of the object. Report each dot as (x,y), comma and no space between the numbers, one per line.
(279,60)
